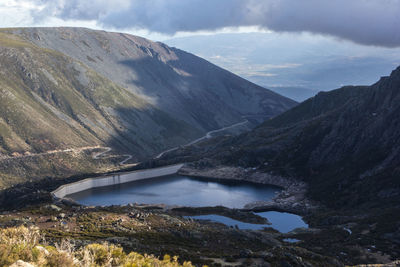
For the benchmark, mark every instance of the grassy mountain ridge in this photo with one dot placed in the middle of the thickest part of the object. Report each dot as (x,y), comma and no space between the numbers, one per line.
(72,87)
(52,101)
(181,84)
(64,88)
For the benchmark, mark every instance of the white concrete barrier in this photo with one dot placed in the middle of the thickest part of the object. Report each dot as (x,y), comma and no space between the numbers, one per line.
(89,183)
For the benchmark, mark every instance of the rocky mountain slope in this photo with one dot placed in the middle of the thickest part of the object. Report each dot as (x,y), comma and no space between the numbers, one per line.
(345,144)
(50,101)
(64,88)
(182,84)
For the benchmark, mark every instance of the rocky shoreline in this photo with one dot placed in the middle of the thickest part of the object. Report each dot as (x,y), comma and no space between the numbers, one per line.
(150,228)
(291,199)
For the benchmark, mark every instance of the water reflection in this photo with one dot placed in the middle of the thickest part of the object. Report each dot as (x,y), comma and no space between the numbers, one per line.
(178,190)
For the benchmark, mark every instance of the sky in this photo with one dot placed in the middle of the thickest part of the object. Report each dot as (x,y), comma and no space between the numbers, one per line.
(366,22)
(307,44)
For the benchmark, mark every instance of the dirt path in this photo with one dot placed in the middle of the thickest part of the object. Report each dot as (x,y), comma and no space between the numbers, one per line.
(207,136)
(97,155)
(106,150)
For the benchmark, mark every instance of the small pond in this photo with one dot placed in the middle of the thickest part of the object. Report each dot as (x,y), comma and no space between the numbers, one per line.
(281,221)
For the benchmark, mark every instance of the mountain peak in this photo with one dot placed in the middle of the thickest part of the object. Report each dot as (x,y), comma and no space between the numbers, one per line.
(395,73)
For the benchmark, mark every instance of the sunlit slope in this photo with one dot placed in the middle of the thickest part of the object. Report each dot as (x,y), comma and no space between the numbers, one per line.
(50,101)
(183,85)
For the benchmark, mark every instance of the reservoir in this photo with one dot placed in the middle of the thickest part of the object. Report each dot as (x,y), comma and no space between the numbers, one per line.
(178,190)
(193,192)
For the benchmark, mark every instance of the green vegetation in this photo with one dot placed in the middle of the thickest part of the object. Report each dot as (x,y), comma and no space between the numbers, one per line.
(49,101)
(27,244)
(9,40)
(55,165)
(156,232)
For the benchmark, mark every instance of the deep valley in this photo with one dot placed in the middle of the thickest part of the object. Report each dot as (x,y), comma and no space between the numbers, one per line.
(79,106)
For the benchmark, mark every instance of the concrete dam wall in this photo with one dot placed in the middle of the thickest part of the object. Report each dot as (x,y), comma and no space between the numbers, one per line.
(89,183)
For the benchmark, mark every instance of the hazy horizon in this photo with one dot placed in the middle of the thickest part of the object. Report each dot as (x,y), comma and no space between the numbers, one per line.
(296,49)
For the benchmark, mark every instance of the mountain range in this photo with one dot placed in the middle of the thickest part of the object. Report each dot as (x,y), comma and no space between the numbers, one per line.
(69,88)
(69,96)
(343,143)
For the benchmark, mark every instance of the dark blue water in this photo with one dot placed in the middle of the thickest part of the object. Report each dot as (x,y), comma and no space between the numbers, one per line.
(178,190)
(281,221)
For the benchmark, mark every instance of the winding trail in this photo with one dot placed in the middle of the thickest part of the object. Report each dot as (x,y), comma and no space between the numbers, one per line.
(207,136)
(128,157)
(106,150)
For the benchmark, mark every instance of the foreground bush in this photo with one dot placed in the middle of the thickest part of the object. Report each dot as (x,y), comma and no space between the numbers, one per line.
(24,245)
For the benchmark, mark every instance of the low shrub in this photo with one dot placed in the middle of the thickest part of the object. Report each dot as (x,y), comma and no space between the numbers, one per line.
(25,244)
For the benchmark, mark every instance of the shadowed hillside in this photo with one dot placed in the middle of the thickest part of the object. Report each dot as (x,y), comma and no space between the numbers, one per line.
(65,88)
(185,86)
(344,143)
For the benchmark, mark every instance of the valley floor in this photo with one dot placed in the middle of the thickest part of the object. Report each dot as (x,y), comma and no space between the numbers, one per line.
(149,230)
(333,239)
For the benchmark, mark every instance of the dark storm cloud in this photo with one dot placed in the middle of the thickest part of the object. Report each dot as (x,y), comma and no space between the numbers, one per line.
(370,22)
(171,16)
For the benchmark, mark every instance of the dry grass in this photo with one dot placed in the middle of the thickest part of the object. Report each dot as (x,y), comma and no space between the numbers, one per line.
(9,40)
(27,244)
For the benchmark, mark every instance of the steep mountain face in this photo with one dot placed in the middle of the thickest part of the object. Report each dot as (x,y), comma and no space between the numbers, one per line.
(177,82)
(49,101)
(344,143)
(66,87)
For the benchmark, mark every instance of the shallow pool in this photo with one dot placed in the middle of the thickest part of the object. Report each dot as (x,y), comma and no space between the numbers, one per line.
(281,221)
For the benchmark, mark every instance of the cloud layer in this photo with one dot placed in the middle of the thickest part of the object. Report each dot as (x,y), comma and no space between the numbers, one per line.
(370,22)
